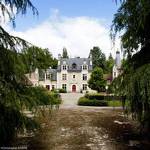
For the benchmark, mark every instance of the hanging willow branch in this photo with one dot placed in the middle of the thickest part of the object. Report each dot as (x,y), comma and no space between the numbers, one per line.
(11,42)
(9,8)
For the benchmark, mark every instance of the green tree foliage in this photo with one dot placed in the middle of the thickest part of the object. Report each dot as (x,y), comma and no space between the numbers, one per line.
(133,20)
(98,58)
(110,63)
(97,81)
(65,53)
(36,57)
(15,95)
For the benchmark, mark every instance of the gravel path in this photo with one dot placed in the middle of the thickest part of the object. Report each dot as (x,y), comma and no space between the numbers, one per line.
(70,99)
(81,129)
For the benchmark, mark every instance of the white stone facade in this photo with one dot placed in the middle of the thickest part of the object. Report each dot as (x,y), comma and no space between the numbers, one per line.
(71,75)
(74,81)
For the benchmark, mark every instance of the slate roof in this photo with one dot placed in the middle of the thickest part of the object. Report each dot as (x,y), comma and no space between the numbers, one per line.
(53,73)
(78,61)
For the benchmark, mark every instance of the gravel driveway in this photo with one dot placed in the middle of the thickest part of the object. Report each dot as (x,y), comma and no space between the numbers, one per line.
(75,127)
(70,99)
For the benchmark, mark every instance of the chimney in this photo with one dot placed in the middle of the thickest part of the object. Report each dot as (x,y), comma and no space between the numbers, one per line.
(118,59)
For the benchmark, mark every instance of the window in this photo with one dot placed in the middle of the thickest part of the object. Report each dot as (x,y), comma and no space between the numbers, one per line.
(64,76)
(114,74)
(84,86)
(74,76)
(64,67)
(53,87)
(84,67)
(48,87)
(74,66)
(64,86)
(85,77)
(48,76)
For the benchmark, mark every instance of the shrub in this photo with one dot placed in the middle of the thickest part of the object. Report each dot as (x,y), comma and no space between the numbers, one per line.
(62,91)
(55,98)
(83,101)
(95,96)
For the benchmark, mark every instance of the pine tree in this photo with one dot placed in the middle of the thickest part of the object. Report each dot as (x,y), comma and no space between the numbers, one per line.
(65,53)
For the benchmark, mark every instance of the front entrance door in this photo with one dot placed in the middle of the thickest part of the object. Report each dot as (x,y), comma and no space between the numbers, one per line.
(74,88)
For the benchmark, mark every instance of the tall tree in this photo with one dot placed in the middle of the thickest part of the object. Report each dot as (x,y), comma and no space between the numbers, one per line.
(14,94)
(110,63)
(65,53)
(97,81)
(98,58)
(133,18)
(36,57)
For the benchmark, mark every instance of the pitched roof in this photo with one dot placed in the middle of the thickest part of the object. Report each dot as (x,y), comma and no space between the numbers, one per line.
(75,61)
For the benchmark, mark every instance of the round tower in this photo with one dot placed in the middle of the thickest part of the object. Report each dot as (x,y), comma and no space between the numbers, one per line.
(118,59)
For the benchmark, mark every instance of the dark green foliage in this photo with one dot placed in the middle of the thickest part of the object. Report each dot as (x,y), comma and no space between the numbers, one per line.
(54,63)
(55,98)
(95,96)
(29,98)
(91,102)
(133,18)
(97,81)
(98,58)
(62,91)
(35,57)
(109,64)
(65,53)
(140,58)
(135,85)
(15,94)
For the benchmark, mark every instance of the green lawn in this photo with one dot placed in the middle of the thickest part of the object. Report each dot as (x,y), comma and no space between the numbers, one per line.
(115,103)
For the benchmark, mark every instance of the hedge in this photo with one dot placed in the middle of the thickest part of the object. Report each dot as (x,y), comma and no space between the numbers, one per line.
(95,96)
(102,97)
(62,91)
(83,101)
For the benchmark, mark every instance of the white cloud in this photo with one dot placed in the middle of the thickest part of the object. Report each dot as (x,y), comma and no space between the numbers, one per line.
(77,34)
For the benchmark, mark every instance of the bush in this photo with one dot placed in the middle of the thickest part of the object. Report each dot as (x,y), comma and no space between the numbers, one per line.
(62,91)
(83,101)
(55,98)
(95,96)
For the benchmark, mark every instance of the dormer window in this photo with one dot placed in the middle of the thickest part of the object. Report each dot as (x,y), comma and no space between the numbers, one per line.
(84,67)
(48,76)
(64,67)
(74,66)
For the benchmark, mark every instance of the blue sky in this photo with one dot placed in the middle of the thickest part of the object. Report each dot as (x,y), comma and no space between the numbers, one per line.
(77,25)
(102,9)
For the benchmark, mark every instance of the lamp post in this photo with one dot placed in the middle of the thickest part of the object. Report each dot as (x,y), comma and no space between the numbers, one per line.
(106,87)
